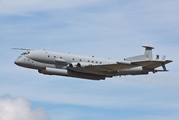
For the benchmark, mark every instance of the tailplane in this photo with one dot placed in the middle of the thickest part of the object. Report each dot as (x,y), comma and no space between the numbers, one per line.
(146,56)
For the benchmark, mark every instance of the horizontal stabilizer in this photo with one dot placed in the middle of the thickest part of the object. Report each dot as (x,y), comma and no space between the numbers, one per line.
(146,56)
(148,47)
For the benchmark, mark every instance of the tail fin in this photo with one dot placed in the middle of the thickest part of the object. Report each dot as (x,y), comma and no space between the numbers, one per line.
(146,56)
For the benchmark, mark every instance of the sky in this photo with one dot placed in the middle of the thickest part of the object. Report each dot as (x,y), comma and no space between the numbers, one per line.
(113,29)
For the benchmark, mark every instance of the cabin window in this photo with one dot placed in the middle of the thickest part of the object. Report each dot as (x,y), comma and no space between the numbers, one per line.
(73,58)
(80,60)
(92,61)
(88,61)
(54,56)
(48,55)
(100,62)
(96,62)
(61,57)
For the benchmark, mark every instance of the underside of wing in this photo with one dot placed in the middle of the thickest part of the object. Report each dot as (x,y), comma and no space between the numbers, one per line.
(106,69)
(151,64)
(116,68)
(111,67)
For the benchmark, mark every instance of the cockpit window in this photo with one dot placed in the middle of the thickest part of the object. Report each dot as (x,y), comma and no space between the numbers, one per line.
(25,53)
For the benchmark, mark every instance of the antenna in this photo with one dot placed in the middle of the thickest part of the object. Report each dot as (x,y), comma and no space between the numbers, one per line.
(21,49)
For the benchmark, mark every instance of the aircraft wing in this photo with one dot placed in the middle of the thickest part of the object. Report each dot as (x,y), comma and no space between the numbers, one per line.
(152,64)
(111,67)
(119,66)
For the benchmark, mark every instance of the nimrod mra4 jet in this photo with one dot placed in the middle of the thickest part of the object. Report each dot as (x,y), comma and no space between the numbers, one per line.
(54,63)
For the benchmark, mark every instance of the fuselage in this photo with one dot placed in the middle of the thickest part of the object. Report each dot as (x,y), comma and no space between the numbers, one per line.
(53,63)
(38,59)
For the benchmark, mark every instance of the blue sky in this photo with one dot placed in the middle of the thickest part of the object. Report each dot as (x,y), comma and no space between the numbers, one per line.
(107,29)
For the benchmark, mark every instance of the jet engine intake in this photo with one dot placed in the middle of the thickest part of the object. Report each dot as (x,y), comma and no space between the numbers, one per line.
(79,65)
(83,64)
(72,65)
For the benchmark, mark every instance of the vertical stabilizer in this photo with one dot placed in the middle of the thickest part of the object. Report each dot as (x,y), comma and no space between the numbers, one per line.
(148,52)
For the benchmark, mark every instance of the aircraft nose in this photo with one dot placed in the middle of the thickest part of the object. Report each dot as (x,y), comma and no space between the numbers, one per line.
(18,61)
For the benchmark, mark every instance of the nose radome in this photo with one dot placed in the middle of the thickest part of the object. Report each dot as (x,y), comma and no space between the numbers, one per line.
(18,61)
